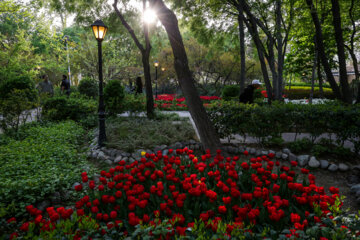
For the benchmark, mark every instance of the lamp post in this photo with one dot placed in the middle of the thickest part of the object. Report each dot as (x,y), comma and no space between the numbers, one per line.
(100,30)
(66,37)
(162,73)
(156,64)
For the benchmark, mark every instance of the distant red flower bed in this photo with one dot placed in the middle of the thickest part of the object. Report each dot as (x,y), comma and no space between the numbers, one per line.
(170,102)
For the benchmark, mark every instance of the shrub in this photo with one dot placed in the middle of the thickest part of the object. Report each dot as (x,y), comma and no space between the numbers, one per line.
(114,96)
(24,83)
(62,108)
(134,103)
(301,145)
(304,92)
(230,92)
(45,161)
(182,196)
(89,87)
(15,109)
(267,121)
(16,96)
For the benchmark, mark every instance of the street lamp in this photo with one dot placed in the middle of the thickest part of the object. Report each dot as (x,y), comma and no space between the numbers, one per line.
(156,64)
(66,37)
(100,30)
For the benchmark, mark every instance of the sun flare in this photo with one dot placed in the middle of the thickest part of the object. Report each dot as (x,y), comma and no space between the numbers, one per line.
(149,16)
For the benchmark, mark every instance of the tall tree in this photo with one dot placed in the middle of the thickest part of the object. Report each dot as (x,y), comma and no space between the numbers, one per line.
(145,52)
(346,93)
(354,14)
(207,133)
(321,49)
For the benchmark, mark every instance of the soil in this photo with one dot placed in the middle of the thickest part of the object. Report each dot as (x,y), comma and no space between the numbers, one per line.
(327,179)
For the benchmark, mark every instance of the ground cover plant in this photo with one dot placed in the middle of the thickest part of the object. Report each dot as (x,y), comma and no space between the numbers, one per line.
(45,159)
(130,134)
(179,194)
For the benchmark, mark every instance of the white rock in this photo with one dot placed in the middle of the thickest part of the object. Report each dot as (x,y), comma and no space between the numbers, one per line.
(314,163)
(343,167)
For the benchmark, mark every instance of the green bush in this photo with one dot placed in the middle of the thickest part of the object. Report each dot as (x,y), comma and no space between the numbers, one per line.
(45,161)
(62,108)
(114,96)
(134,103)
(264,122)
(307,84)
(230,92)
(301,145)
(304,92)
(89,87)
(24,83)
(16,96)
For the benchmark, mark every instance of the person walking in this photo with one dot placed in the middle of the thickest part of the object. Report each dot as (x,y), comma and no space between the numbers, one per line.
(65,85)
(45,87)
(248,95)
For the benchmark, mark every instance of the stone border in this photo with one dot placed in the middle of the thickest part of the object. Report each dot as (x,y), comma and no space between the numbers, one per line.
(113,156)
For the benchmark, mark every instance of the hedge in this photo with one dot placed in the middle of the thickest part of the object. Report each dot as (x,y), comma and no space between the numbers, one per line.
(304,92)
(264,122)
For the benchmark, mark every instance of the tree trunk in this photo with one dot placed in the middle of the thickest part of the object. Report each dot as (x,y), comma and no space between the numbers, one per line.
(313,74)
(271,61)
(242,48)
(147,74)
(351,50)
(278,93)
(322,54)
(319,74)
(208,135)
(346,93)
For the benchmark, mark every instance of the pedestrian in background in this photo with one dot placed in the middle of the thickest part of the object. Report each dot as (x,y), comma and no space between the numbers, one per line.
(65,85)
(45,87)
(248,95)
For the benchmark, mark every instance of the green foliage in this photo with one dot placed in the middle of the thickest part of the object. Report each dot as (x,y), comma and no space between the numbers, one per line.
(230,92)
(45,161)
(264,122)
(89,87)
(134,103)
(306,84)
(114,96)
(301,145)
(304,92)
(15,110)
(62,108)
(17,95)
(130,134)
(22,82)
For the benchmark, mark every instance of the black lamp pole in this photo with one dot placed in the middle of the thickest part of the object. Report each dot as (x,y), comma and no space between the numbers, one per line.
(156,64)
(156,92)
(102,133)
(99,30)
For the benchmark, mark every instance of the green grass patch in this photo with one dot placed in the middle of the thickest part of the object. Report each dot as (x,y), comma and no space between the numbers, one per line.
(130,134)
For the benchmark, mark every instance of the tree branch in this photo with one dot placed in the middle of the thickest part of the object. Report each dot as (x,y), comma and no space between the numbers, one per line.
(128,27)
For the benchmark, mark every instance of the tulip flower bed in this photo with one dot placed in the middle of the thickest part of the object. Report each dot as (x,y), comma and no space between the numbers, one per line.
(169,102)
(181,195)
